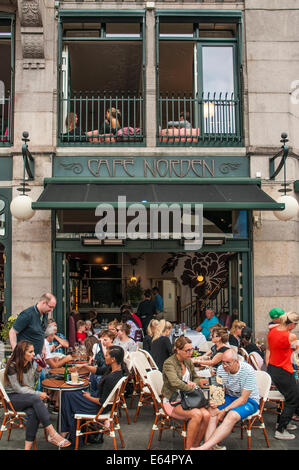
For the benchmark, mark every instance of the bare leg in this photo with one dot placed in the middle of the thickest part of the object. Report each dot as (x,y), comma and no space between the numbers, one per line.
(203,427)
(194,418)
(222,431)
(28,445)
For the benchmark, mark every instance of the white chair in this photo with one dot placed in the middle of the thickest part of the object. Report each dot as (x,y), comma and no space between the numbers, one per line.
(150,359)
(141,366)
(12,419)
(241,358)
(107,422)
(162,420)
(244,353)
(256,360)
(264,384)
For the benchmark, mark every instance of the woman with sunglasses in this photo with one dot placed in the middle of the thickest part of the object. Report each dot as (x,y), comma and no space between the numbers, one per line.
(123,340)
(213,358)
(179,375)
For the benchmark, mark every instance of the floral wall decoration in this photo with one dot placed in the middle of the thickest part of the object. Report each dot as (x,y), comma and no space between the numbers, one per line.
(205,273)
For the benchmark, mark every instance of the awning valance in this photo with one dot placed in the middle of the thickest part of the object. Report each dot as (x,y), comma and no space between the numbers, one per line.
(71,195)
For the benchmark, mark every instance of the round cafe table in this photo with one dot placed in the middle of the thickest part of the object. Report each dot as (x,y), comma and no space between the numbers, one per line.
(59,371)
(62,386)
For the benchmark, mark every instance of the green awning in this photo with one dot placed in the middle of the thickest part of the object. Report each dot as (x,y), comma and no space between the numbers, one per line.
(72,195)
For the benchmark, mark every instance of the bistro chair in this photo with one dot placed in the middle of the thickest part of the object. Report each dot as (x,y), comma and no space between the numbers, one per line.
(255,360)
(107,422)
(12,419)
(150,359)
(162,420)
(277,399)
(141,366)
(122,404)
(256,421)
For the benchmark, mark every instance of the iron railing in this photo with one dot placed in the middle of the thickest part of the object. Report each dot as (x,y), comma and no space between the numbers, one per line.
(199,119)
(5,120)
(92,127)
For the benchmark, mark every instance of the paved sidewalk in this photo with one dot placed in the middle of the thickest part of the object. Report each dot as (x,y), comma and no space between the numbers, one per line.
(136,437)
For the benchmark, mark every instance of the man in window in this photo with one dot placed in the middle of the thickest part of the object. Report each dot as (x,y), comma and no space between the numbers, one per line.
(208,323)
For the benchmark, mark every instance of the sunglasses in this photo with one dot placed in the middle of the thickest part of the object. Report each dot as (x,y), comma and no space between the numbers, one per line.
(188,350)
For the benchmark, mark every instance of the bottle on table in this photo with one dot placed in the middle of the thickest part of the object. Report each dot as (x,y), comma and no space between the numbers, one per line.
(66,373)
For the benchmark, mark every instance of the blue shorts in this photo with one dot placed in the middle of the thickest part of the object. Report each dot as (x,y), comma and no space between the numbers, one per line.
(250,407)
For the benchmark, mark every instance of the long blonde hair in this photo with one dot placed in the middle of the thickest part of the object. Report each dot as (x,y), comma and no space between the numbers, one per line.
(161,329)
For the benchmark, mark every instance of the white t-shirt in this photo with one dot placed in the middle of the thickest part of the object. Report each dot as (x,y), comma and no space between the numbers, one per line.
(48,353)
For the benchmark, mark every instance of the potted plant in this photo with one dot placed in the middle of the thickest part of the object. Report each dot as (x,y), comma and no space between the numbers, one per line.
(134,292)
(4,333)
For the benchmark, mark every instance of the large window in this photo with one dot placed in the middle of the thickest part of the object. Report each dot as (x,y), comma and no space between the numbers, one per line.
(199,70)
(6,79)
(101,99)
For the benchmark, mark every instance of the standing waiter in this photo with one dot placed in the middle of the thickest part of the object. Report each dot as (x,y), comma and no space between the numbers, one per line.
(146,310)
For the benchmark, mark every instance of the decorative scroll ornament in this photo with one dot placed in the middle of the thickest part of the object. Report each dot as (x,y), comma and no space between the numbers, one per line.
(76,168)
(225,168)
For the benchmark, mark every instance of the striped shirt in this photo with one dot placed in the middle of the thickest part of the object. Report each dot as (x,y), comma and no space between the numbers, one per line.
(244,379)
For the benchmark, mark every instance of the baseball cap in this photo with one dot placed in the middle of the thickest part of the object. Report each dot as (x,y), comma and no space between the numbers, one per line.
(276,312)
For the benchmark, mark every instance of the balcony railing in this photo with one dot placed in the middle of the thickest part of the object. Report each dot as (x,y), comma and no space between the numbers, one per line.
(5,121)
(84,120)
(199,120)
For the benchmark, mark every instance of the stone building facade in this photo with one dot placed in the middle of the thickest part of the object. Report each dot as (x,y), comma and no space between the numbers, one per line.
(269,57)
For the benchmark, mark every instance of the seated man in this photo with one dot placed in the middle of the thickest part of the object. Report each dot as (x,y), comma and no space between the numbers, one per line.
(241,398)
(60,341)
(208,323)
(183,122)
(52,361)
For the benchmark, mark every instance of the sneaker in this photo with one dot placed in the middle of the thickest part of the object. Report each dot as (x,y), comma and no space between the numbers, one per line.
(290,427)
(218,447)
(284,435)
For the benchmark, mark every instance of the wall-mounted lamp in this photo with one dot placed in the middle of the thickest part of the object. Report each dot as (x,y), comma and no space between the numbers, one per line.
(291,204)
(20,206)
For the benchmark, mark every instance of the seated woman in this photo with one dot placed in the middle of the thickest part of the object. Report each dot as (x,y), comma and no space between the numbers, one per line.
(179,374)
(148,338)
(161,347)
(213,358)
(123,339)
(83,402)
(20,378)
(73,133)
(234,338)
(89,328)
(110,125)
(127,317)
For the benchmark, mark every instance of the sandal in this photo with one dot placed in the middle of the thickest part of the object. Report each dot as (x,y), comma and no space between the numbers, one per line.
(59,443)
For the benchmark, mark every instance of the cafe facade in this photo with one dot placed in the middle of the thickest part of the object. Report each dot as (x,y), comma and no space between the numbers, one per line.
(155,65)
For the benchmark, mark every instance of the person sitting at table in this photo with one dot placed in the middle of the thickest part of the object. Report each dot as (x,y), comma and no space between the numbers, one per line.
(98,353)
(247,344)
(112,325)
(161,347)
(148,338)
(20,378)
(90,343)
(234,338)
(80,333)
(60,341)
(127,317)
(179,374)
(241,399)
(52,361)
(89,328)
(208,323)
(123,339)
(213,358)
(83,402)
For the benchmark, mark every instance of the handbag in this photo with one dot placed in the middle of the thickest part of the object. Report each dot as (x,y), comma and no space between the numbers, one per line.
(193,399)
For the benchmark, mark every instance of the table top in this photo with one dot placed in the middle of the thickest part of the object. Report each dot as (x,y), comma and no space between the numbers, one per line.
(56,384)
(60,371)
